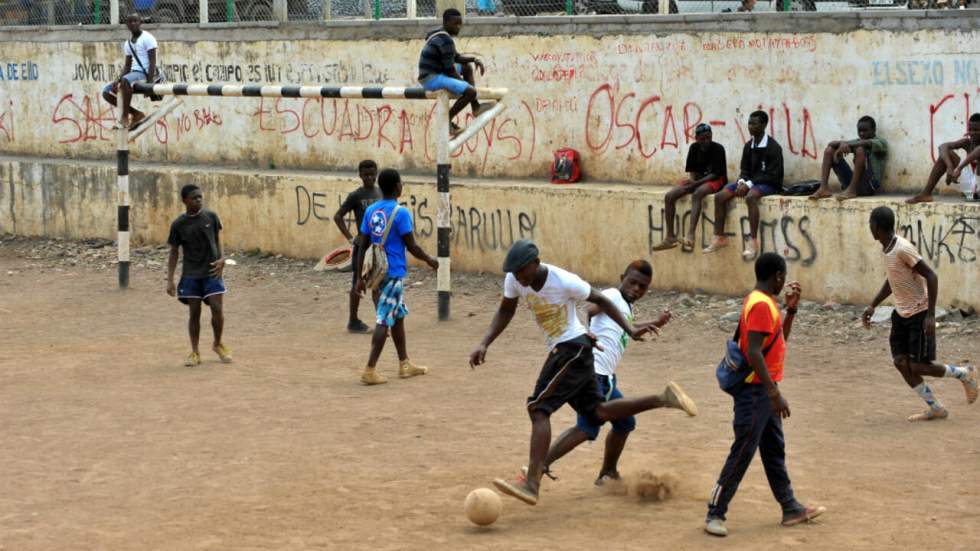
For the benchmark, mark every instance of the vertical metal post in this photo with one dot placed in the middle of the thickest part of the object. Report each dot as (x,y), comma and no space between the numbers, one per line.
(280,11)
(97,16)
(664,7)
(113,12)
(202,12)
(122,198)
(444,212)
(49,9)
(327,10)
(229,10)
(411,9)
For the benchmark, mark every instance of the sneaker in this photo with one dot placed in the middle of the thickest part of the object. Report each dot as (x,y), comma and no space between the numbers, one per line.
(517,489)
(223,352)
(806,515)
(716,527)
(717,242)
(408,369)
(483,108)
(358,327)
(544,472)
(970,384)
(372,377)
(192,359)
(666,244)
(751,249)
(676,398)
(930,415)
(607,477)
(454,130)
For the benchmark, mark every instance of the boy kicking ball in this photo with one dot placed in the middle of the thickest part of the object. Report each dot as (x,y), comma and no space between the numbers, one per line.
(568,376)
(611,341)
(914,286)
(196,232)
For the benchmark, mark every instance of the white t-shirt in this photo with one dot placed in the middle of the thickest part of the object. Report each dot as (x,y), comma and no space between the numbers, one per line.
(612,337)
(554,305)
(141,48)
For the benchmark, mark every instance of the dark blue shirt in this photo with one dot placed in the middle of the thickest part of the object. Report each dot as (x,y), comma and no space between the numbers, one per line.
(438,55)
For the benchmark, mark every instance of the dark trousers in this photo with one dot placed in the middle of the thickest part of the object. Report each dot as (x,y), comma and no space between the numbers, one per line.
(756,427)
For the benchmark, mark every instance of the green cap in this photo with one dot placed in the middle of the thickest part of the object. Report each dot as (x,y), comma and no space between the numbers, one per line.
(520,254)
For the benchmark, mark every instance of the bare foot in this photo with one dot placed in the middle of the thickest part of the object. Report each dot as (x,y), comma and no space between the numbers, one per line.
(919,199)
(845,196)
(821,194)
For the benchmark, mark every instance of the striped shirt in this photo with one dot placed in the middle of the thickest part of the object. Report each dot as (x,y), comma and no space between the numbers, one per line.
(909,289)
(438,55)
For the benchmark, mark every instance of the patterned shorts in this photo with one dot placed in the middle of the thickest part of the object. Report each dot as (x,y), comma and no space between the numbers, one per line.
(391,305)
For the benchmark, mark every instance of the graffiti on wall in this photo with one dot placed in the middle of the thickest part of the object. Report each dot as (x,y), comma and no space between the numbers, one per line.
(945,240)
(7,120)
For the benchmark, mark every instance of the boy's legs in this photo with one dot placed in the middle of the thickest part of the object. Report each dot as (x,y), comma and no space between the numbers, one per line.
(829,160)
(937,172)
(721,203)
(752,203)
(752,413)
(194,323)
(354,324)
(670,201)
(217,317)
(470,77)
(697,201)
(859,180)
(391,314)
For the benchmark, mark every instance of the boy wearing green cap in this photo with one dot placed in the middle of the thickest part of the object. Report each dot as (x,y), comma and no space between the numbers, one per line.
(568,375)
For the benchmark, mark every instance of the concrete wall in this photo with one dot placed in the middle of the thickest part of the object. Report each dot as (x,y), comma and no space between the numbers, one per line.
(593,230)
(626,92)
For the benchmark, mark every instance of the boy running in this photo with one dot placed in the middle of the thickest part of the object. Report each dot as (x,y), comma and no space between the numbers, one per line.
(611,343)
(913,336)
(357,202)
(197,233)
(759,405)
(391,305)
(568,375)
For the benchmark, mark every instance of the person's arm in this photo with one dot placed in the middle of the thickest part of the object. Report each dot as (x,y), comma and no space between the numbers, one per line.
(448,49)
(758,362)
(932,284)
(418,252)
(338,218)
(772,175)
(745,172)
(659,322)
(171,268)
(591,311)
(607,307)
(707,178)
(883,293)
(218,266)
(127,67)
(947,148)
(793,293)
(505,313)
(361,244)
(973,157)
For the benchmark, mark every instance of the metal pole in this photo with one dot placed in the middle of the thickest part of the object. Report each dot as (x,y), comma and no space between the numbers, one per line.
(49,8)
(664,7)
(279,10)
(327,10)
(411,9)
(97,16)
(202,11)
(229,10)
(122,198)
(444,212)
(113,12)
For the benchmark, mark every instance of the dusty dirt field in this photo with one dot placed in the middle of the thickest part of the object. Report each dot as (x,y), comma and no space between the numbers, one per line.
(110,443)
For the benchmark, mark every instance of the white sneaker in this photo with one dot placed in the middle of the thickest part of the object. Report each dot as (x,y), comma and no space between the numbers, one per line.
(751,249)
(716,527)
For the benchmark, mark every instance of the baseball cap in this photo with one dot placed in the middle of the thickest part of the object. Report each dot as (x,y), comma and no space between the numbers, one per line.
(702,128)
(520,254)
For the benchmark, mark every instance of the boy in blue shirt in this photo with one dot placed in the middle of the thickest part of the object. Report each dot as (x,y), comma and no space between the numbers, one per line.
(391,305)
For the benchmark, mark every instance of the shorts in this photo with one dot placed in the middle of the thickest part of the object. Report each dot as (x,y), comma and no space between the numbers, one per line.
(440,81)
(715,184)
(391,302)
(131,77)
(199,288)
(609,391)
(867,186)
(908,338)
(764,189)
(568,377)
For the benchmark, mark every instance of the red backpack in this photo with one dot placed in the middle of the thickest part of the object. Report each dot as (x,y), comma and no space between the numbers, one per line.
(566,167)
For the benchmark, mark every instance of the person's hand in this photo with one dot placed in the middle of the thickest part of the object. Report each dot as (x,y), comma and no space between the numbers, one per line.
(930,324)
(637,333)
(663,319)
(480,66)
(433,263)
(844,149)
(171,288)
(793,293)
(957,173)
(478,357)
(742,190)
(115,87)
(866,316)
(595,341)
(217,267)
(951,175)
(360,287)
(779,404)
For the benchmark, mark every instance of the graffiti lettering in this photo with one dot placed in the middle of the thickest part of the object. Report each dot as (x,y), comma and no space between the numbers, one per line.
(7,121)
(949,113)
(492,229)
(90,120)
(938,243)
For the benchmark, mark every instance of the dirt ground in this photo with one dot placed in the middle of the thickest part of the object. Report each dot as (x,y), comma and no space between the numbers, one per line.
(108,442)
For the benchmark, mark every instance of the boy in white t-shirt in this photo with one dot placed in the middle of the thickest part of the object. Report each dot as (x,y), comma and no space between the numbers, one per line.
(612,341)
(568,376)
(140,52)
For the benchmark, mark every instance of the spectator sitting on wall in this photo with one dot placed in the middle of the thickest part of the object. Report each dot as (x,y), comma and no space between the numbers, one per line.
(142,49)
(707,173)
(442,68)
(869,152)
(747,6)
(948,162)
(761,174)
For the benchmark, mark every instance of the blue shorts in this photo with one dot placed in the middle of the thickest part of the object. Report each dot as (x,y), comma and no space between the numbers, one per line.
(764,189)
(131,77)
(199,288)
(609,391)
(438,82)
(391,303)
(867,186)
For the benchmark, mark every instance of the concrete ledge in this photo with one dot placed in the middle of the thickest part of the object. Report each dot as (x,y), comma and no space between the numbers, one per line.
(594,229)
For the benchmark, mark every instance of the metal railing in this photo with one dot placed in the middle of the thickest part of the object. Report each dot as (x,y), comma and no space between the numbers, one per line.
(105,12)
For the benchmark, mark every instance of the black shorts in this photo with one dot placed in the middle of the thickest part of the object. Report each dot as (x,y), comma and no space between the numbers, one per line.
(908,338)
(568,377)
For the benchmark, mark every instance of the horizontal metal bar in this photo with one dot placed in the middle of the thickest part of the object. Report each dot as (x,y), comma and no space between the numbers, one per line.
(279,91)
